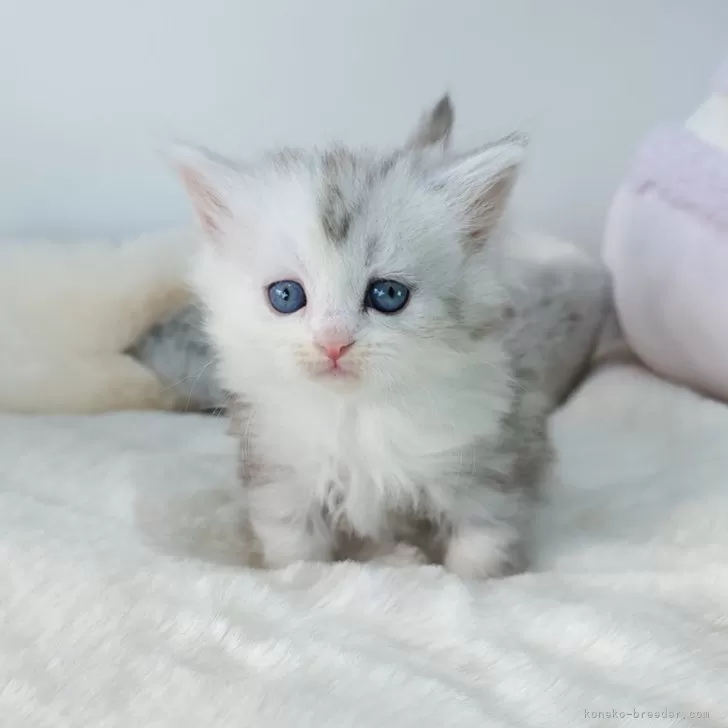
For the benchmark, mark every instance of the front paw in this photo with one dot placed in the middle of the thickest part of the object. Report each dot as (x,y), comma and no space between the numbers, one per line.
(485,552)
(400,555)
(275,544)
(282,528)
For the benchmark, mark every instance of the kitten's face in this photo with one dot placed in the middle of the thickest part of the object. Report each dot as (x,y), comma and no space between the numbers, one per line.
(350,272)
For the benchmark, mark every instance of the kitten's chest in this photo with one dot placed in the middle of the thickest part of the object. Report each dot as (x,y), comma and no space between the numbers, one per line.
(354,444)
(364,461)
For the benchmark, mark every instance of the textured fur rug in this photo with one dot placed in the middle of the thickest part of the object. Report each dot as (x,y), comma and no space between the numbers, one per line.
(68,311)
(123,601)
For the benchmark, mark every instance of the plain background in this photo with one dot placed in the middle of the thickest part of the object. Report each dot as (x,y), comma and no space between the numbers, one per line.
(91,91)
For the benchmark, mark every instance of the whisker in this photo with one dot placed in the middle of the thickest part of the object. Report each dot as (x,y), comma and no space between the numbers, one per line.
(197,379)
(221,409)
(183,379)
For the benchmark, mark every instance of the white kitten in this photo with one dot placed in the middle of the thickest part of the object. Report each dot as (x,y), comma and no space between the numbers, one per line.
(354,303)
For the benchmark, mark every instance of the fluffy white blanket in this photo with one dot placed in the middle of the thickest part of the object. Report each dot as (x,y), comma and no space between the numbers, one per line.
(123,602)
(68,312)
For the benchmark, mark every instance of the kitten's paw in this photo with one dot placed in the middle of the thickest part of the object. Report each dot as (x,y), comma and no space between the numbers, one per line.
(401,555)
(282,528)
(482,552)
(277,545)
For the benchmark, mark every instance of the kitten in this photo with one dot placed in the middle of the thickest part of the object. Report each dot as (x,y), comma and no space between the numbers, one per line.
(559,302)
(176,349)
(357,313)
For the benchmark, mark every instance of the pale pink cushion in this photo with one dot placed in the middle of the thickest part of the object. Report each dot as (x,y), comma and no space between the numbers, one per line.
(667,249)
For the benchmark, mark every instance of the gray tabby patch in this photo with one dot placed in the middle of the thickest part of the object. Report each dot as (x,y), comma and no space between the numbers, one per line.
(177,351)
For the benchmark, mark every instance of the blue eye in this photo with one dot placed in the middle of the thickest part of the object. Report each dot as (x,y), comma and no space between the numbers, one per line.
(387,296)
(286,296)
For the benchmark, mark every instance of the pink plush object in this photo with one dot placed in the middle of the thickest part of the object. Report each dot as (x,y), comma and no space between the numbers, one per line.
(666,246)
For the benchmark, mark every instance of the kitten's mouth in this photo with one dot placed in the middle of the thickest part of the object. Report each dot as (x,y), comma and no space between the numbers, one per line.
(336,371)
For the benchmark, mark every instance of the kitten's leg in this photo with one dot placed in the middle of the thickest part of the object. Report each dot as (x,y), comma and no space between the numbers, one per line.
(393,546)
(487,537)
(491,515)
(284,525)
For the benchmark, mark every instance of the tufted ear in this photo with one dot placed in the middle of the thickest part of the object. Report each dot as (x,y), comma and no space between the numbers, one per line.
(480,184)
(208,180)
(434,127)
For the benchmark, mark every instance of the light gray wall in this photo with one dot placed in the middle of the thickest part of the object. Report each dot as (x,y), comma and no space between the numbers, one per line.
(89,90)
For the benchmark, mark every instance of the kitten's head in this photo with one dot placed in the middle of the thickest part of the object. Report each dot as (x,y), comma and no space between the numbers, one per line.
(359,271)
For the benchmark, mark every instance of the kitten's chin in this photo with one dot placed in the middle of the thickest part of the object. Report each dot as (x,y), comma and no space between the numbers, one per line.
(336,376)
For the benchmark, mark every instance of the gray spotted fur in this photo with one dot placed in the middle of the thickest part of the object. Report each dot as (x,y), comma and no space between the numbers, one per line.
(348,176)
(177,350)
(558,310)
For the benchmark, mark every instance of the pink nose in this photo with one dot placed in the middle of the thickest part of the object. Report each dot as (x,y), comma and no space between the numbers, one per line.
(334,350)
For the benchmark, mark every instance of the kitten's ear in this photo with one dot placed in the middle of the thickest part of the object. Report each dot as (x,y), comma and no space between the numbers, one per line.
(480,184)
(434,127)
(208,180)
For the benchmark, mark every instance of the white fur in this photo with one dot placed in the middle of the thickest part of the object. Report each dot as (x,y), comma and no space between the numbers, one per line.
(399,433)
(68,311)
(364,430)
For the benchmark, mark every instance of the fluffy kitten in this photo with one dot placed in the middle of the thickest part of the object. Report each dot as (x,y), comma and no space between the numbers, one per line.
(559,301)
(176,348)
(355,305)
